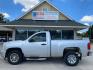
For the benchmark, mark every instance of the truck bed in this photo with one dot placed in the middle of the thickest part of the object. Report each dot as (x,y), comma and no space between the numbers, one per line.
(58,46)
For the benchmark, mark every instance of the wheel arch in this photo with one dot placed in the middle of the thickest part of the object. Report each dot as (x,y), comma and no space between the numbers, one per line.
(12,49)
(75,49)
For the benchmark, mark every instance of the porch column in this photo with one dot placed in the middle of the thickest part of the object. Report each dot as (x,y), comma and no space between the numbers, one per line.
(13,35)
(7,37)
(75,36)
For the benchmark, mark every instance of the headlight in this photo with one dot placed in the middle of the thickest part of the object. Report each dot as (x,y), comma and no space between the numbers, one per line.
(3,46)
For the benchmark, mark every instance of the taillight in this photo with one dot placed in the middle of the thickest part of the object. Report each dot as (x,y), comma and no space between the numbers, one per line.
(89,46)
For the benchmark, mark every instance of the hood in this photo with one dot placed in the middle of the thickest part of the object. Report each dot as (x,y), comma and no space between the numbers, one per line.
(13,43)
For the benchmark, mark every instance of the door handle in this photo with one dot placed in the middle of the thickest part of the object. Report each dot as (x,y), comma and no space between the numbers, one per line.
(43,44)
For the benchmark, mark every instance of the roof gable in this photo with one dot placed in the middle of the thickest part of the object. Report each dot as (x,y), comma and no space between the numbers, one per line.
(41,3)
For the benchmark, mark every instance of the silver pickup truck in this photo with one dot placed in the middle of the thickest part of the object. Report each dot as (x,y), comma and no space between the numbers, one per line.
(40,45)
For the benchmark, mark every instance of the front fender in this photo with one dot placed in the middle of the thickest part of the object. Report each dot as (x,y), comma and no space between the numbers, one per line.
(12,49)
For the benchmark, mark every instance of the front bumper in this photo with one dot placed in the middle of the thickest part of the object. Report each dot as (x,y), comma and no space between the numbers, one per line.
(2,53)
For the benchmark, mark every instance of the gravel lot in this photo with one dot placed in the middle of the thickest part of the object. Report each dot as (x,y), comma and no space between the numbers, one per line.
(52,64)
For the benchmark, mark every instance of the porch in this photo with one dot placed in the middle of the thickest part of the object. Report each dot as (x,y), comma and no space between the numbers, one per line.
(22,29)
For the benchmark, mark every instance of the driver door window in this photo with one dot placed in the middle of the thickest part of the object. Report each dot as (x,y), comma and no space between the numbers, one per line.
(41,37)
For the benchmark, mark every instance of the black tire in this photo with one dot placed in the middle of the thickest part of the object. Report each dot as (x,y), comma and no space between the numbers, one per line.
(69,61)
(10,56)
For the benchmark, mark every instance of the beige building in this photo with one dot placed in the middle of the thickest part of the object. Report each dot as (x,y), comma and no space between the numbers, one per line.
(43,17)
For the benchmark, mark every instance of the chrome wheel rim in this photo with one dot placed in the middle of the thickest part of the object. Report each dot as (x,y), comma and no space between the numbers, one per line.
(72,59)
(14,57)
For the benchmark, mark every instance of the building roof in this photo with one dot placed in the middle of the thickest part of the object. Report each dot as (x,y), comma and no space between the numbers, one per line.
(5,28)
(45,23)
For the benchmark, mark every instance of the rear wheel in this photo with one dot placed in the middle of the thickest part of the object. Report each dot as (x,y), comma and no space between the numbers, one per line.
(14,57)
(71,58)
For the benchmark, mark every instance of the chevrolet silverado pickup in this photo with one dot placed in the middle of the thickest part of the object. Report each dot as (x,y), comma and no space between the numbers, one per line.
(40,45)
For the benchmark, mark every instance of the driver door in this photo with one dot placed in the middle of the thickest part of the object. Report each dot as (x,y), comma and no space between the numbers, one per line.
(38,45)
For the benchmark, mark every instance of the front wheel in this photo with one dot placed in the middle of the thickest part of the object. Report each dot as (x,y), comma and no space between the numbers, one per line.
(14,57)
(71,58)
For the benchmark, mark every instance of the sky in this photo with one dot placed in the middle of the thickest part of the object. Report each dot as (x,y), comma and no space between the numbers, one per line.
(78,10)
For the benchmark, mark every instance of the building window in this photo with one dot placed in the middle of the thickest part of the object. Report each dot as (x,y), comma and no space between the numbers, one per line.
(21,34)
(55,35)
(67,34)
(31,33)
(45,9)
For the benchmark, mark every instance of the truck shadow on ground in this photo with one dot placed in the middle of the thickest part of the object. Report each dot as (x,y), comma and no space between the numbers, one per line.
(53,62)
(58,61)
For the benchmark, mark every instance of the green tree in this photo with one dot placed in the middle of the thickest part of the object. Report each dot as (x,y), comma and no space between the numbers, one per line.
(89,33)
(2,19)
